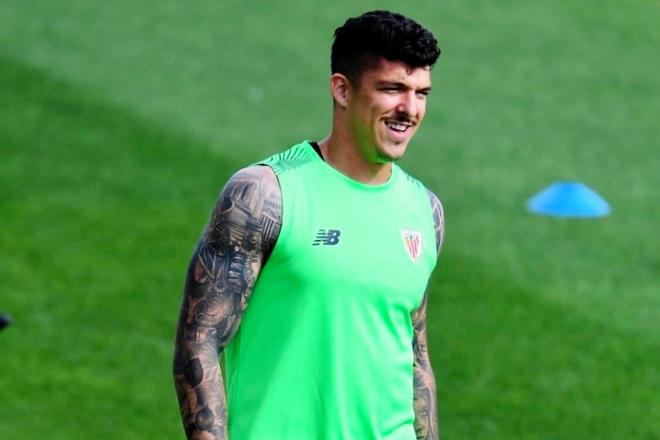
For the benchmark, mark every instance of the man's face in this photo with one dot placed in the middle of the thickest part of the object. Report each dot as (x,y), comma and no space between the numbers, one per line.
(386,108)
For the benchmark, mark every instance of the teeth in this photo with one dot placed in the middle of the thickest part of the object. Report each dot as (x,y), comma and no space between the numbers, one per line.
(397,126)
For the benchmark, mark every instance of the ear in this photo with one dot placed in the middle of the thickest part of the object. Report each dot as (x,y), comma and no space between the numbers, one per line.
(339,87)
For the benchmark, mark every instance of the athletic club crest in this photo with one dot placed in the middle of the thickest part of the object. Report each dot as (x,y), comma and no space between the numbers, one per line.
(412,240)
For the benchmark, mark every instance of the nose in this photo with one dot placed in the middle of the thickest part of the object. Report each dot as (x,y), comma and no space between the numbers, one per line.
(408,103)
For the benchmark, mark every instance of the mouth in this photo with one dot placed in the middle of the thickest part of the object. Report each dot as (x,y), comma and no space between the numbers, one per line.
(398,128)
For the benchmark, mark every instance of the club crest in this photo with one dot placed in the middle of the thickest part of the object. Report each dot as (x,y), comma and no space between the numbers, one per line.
(412,240)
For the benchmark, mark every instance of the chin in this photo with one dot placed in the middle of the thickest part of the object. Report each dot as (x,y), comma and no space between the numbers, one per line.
(387,156)
(392,153)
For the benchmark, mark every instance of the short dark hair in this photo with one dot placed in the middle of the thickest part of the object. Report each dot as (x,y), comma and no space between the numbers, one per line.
(361,40)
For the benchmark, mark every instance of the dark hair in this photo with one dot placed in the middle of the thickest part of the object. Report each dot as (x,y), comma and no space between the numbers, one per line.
(361,40)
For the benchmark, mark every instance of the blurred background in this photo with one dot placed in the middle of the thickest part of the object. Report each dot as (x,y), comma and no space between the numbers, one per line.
(120,122)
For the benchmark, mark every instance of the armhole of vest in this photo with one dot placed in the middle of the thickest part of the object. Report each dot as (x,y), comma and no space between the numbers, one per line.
(429,203)
(420,188)
(284,230)
(435,255)
(436,246)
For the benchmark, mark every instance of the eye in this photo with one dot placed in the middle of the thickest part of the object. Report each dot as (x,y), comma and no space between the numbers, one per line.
(391,90)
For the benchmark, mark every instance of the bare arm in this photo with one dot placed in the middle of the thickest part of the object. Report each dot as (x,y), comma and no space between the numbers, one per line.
(224,267)
(424,399)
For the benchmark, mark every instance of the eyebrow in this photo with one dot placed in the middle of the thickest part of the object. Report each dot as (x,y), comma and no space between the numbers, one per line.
(400,85)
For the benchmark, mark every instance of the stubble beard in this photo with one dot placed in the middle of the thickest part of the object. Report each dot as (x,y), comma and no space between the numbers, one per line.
(386,157)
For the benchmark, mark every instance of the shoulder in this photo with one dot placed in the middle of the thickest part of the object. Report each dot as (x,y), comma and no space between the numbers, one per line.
(438,218)
(250,202)
(261,174)
(412,181)
(290,159)
(436,206)
(250,185)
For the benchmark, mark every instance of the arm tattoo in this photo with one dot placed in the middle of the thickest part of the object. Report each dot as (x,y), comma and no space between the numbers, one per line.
(232,250)
(424,397)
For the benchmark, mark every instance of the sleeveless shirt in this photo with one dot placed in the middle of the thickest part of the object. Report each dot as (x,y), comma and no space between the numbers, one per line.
(324,349)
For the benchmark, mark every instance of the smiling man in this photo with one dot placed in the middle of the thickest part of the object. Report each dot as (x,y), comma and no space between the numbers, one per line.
(311,274)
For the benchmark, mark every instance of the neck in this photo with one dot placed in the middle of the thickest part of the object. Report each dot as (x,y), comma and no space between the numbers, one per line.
(343,153)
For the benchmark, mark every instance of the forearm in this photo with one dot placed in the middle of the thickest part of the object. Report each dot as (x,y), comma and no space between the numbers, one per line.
(424,400)
(201,393)
(424,403)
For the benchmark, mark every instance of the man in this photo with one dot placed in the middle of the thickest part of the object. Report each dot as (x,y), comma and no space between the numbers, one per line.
(311,274)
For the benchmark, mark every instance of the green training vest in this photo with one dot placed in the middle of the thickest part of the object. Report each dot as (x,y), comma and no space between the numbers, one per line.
(324,349)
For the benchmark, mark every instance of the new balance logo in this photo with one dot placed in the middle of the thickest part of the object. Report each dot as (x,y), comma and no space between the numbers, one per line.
(327,237)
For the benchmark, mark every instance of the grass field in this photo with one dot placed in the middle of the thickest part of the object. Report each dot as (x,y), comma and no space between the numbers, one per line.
(120,122)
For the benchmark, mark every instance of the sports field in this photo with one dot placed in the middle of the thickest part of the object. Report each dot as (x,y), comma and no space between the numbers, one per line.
(120,121)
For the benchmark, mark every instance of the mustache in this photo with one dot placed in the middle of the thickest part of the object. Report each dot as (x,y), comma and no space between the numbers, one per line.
(403,117)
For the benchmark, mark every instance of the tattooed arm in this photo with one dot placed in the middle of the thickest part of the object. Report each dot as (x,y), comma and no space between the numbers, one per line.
(232,250)
(424,398)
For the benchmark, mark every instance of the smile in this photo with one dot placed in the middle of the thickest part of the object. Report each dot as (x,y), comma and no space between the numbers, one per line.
(398,126)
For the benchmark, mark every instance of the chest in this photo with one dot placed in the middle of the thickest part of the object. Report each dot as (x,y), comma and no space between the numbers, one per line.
(360,248)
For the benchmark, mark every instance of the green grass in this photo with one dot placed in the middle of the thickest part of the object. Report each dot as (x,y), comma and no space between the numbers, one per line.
(118,125)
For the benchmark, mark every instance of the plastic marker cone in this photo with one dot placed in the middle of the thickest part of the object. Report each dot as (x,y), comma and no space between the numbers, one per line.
(568,199)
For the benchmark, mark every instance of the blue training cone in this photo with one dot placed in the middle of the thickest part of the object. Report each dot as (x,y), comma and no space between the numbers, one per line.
(568,199)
